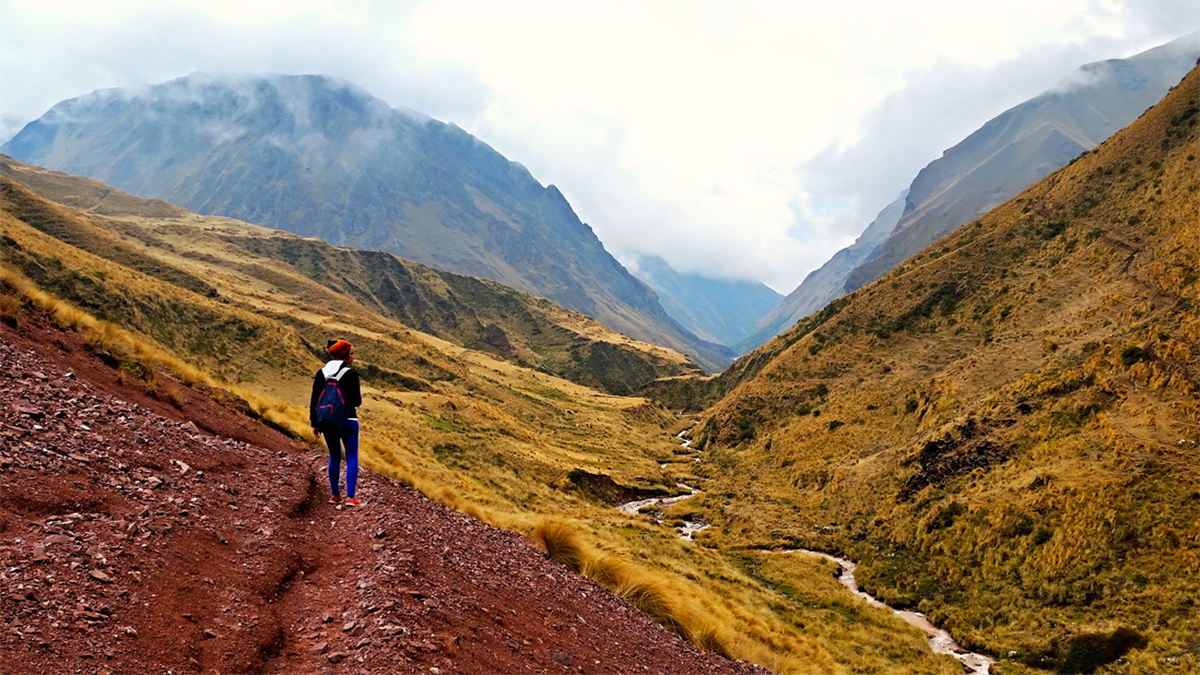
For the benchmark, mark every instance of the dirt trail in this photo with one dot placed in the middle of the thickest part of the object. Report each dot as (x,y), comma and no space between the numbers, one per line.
(133,540)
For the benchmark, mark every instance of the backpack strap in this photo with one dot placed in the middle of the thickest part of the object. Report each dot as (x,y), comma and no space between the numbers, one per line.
(338,376)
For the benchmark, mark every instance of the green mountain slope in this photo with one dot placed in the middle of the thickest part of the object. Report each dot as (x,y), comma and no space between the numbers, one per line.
(1003,431)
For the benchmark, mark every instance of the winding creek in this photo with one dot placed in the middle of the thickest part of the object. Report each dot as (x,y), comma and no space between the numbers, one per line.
(939,640)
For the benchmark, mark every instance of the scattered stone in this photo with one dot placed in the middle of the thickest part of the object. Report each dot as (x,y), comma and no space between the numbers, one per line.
(349,626)
(336,657)
(100,576)
(319,648)
(28,411)
(562,658)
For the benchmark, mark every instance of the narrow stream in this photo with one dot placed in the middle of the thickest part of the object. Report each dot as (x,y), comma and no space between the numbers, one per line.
(939,640)
(688,529)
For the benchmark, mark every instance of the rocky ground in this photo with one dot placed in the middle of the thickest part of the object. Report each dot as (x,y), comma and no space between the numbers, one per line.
(140,536)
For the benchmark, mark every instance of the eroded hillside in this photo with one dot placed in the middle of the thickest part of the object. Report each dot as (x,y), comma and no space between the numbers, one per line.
(1003,430)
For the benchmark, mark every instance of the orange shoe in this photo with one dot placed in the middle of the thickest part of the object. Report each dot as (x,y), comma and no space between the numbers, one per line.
(335,500)
(352,501)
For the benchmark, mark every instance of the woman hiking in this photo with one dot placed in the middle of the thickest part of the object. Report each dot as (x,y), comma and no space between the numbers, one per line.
(333,412)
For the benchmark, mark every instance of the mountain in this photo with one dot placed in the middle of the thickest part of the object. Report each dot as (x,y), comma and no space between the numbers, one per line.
(323,158)
(825,283)
(178,313)
(717,310)
(1006,155)
(1002,432)
(1024,144)
(474,313)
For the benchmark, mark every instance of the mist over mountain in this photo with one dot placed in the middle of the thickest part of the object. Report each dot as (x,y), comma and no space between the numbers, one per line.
(825,283)
(1006,155)
(320,157)
(1024,144)
(717,310)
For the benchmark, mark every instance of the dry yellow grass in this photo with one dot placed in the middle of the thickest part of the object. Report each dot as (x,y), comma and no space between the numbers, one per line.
(1003,430)
(473,432)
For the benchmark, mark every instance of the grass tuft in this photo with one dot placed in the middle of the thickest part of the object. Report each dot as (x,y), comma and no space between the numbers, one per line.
(561,543)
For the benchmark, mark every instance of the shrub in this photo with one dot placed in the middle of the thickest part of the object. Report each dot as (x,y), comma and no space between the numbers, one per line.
(945,517)
(1131,355)
(1085,653)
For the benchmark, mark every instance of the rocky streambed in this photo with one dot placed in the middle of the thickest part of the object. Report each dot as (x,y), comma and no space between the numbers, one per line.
(655,505)
(940,641)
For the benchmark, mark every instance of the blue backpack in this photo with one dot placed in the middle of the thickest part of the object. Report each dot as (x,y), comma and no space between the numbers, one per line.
(331,406)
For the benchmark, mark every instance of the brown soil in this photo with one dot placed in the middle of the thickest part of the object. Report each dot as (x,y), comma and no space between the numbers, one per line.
(141,536)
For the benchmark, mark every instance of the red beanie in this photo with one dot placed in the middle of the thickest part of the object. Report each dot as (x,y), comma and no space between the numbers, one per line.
(339,349)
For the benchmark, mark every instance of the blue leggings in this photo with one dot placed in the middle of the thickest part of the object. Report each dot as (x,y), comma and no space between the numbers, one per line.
(349,439)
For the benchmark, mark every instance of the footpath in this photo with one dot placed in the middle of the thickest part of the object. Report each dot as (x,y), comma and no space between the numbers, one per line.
(145,536)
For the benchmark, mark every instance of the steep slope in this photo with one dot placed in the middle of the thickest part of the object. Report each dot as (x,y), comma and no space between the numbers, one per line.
(322,158)
(474,313)
(1003,431)
(144,544)
(1025,143)
(717,310)
(178,300)
(825,283)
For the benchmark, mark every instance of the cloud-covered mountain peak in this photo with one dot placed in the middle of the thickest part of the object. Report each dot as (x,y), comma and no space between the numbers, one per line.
(322,157)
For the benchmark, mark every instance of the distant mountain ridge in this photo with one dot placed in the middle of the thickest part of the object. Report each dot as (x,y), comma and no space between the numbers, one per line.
(1007,154)
(324,158)
(1024,144)
(825,284)
(717,310)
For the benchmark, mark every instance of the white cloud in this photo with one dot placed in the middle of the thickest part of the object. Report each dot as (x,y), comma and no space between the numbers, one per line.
(737,139)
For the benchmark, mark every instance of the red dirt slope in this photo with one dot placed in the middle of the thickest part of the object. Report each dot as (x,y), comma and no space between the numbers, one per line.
(133,541)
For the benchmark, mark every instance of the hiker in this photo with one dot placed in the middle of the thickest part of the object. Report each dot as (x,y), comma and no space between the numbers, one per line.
(333,412)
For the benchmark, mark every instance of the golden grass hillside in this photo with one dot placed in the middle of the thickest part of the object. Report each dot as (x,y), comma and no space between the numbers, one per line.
(1004,430)
(472,430)
(476,313)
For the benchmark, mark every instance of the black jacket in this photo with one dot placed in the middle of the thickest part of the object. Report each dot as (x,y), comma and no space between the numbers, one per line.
(349,385)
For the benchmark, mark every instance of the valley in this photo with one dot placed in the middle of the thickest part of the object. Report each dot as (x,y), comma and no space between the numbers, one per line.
(152,289)
(1001,435)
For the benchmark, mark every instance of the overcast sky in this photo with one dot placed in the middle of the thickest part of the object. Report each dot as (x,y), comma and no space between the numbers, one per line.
(735,139)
